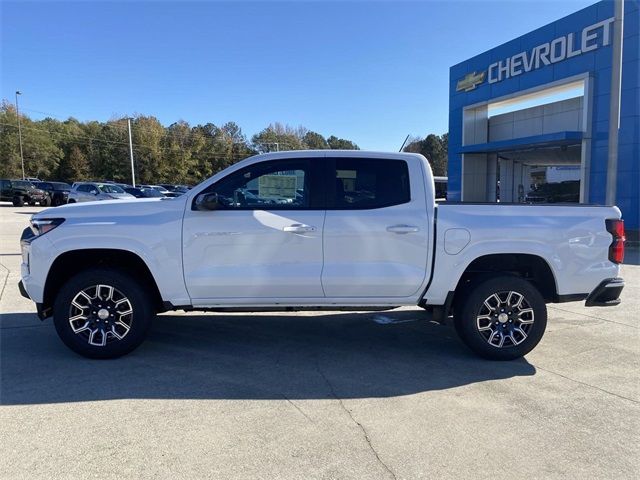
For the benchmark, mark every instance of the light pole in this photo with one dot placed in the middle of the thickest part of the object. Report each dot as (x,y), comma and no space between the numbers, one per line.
(20,133)
(133,173)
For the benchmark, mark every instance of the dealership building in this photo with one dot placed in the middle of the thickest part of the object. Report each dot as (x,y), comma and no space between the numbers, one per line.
(552,116)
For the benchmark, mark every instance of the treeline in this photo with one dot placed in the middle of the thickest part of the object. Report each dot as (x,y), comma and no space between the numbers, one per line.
(435,148)
(71,150)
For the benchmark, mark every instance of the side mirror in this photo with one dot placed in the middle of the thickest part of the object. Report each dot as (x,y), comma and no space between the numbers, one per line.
(207,201)
(94,192)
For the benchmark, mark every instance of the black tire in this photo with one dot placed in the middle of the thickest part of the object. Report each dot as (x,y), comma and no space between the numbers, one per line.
(56,202)
(124,285)
(18,201)
(71,201)
(505,331)
(32,203)
(46,202)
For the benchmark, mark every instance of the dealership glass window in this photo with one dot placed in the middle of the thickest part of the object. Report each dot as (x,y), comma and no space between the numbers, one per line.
(362,183)
(276,185)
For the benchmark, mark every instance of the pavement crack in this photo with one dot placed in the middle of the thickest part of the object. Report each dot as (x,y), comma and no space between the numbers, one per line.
(297,407)
(589,385)
(357,423)
(4,282)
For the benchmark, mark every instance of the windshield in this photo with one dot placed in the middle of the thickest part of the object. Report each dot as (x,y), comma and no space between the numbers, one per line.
(108,188)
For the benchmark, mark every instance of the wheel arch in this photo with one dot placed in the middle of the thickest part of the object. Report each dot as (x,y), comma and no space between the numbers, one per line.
(70,263)
(531,267)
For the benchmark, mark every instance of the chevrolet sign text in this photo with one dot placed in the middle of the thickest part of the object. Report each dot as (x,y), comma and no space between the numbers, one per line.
(567,46)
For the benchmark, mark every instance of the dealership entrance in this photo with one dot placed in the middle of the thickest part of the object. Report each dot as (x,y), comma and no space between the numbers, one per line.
(529,147)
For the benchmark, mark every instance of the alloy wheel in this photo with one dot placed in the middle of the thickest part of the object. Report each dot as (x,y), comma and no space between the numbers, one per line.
(100,314)
(505,319)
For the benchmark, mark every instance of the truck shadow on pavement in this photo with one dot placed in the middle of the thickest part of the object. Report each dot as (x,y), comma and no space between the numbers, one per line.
(287,356)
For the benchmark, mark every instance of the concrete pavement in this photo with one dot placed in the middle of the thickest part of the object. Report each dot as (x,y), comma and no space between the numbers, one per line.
(317,395)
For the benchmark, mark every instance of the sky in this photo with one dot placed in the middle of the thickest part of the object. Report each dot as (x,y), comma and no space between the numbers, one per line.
(368,71)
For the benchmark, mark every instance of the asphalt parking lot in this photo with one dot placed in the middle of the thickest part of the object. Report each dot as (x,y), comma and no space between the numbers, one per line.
(320,395)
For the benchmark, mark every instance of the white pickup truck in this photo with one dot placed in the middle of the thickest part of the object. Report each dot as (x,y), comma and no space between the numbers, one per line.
(318,230)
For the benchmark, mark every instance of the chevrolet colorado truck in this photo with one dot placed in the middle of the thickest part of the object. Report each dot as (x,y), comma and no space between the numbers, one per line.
(318,230)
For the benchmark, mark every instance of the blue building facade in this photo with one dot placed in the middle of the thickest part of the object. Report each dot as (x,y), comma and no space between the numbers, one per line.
(572,53)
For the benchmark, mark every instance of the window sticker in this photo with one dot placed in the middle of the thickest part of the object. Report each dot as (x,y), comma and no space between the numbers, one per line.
(277,186)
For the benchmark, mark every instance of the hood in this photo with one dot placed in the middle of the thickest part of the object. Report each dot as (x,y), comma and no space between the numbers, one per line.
(129,207)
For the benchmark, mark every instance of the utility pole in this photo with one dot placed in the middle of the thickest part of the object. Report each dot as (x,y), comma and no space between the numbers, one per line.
(20,134)
(614,102)
(133,173)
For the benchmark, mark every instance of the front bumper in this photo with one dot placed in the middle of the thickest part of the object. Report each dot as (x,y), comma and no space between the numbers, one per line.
(43,313)
(606,294)
(23,291)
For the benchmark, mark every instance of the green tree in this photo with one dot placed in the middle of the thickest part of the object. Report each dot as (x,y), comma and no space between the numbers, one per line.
(279,137)
(73,150)
(76,167)
(315,141)
(336,143)
(434,148)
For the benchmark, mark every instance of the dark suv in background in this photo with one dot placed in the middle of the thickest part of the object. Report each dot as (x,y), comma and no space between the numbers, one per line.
(20,192)
(58,191)
(559,192)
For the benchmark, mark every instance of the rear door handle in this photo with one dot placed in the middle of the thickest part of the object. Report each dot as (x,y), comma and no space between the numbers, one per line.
(402,229)
(299,228)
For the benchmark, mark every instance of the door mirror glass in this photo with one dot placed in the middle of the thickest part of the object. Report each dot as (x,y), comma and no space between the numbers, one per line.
(207,201)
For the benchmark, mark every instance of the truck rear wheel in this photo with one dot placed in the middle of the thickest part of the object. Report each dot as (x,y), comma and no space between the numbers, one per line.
(501,318)
(102,313)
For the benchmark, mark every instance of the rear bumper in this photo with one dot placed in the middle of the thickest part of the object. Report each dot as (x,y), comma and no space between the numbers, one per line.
(606,294)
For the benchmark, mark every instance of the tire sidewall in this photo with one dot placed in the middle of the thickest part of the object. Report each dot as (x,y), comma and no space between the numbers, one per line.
(465,320)
(140,301)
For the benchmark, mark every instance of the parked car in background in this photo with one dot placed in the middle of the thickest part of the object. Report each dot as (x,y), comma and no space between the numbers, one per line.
(162,190)
(120,184)
(144,192)
(58,191)
(176,188)
(92,191)
(20,192)
(558,192)
(33,179)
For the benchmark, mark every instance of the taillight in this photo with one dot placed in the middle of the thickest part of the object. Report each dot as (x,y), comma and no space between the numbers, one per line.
(615,227)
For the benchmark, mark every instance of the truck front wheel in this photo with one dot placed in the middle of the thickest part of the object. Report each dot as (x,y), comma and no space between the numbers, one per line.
(102,313)
(501,318)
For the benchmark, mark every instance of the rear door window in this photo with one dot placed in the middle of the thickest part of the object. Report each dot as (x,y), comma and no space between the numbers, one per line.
(363,183)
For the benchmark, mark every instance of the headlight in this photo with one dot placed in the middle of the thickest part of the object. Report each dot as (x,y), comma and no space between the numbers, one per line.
(42,226)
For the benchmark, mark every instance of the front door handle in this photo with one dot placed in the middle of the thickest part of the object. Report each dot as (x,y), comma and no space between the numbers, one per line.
(299,228)
(402,229)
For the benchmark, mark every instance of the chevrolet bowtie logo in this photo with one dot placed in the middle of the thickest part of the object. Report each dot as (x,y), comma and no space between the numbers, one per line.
(470,81)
